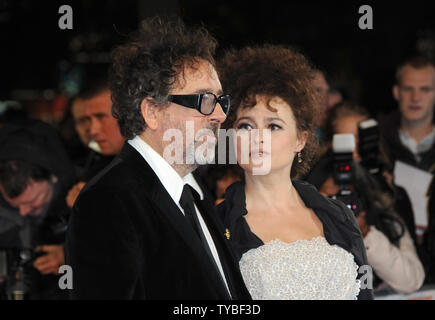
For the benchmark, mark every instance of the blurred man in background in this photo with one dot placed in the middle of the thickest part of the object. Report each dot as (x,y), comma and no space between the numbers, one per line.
(409,132)
(103,127)
(409,137)
(35,173)
(81,121)
(98,129)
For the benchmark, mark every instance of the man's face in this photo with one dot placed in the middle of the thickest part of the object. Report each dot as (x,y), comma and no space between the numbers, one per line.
(103,126)
(34,199)
(81,120)
(201,78)
(416,94)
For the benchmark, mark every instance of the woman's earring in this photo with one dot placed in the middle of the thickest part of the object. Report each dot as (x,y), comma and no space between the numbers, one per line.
(299,157)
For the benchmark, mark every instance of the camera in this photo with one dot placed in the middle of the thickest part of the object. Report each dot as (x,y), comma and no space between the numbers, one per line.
(350,200)
(15,272)
(343,146)
(368,145)
(369,150)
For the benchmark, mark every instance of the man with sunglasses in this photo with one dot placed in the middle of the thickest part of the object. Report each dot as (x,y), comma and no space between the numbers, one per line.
(141,229)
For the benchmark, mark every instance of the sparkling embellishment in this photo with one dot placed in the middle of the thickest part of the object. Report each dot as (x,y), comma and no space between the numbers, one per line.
(227,233)
(300,270)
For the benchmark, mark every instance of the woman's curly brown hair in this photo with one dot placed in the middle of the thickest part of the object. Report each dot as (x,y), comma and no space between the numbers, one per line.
(149,65)
(272,71)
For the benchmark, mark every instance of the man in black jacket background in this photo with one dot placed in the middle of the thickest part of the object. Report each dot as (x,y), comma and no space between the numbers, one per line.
(409,136)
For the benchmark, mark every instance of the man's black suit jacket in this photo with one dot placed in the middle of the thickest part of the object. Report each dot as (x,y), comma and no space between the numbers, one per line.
(127,239)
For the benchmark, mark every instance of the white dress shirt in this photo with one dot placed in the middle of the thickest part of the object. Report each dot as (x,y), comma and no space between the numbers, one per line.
(174,184)
(416,148)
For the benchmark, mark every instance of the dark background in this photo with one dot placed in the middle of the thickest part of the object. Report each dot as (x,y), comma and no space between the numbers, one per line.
(39,59)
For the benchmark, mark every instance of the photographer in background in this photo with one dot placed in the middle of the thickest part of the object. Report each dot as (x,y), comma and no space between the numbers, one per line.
(346,118)
(35,174)
(390,248)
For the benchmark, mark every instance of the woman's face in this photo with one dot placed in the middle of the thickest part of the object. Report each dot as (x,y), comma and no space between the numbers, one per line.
(349,124)
(270,133)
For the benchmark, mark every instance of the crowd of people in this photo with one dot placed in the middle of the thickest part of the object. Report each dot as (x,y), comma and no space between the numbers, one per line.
(99,193)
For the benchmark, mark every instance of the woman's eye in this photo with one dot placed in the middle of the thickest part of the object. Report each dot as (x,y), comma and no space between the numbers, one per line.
(274,127)
(244,126)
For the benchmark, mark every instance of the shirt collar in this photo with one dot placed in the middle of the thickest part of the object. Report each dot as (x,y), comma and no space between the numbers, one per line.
(424,145)
(190,179)
(169,178)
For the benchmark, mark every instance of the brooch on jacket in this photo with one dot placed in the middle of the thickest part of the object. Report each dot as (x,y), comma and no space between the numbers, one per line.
(227,233)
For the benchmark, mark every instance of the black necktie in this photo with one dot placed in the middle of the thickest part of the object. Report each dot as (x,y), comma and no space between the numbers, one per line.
(187,203)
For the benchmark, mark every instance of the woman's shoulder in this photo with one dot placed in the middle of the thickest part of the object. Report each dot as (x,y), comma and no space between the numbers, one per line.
(234,205)
(315,199)
(334,209)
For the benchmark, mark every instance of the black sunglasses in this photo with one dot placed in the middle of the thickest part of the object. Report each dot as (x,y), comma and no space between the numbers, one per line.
(204,102)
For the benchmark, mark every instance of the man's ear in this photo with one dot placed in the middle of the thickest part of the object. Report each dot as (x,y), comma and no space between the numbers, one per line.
(53,179)
(149,113)
(396,92)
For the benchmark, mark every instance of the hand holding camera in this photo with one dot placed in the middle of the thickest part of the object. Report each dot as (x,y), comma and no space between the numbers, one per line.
(52,259)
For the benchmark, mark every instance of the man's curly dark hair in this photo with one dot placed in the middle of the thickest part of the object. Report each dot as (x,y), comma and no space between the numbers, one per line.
(272,71)
(150,64)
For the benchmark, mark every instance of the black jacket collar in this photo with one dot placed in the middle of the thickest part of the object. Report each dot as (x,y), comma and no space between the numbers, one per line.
(340,226)
(235,194)
(156,193)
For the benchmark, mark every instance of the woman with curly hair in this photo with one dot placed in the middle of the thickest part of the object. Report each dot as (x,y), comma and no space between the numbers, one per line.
(291,242)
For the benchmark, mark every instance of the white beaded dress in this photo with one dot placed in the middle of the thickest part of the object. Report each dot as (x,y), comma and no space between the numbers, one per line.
(320,268)
(300,270)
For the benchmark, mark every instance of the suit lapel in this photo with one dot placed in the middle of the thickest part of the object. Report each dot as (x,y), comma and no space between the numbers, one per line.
(227,259)
(167,208)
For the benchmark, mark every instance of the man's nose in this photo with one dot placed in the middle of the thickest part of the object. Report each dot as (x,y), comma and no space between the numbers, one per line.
(415,95)
(218,115)
(24,210)
(87,127)
(94,128)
